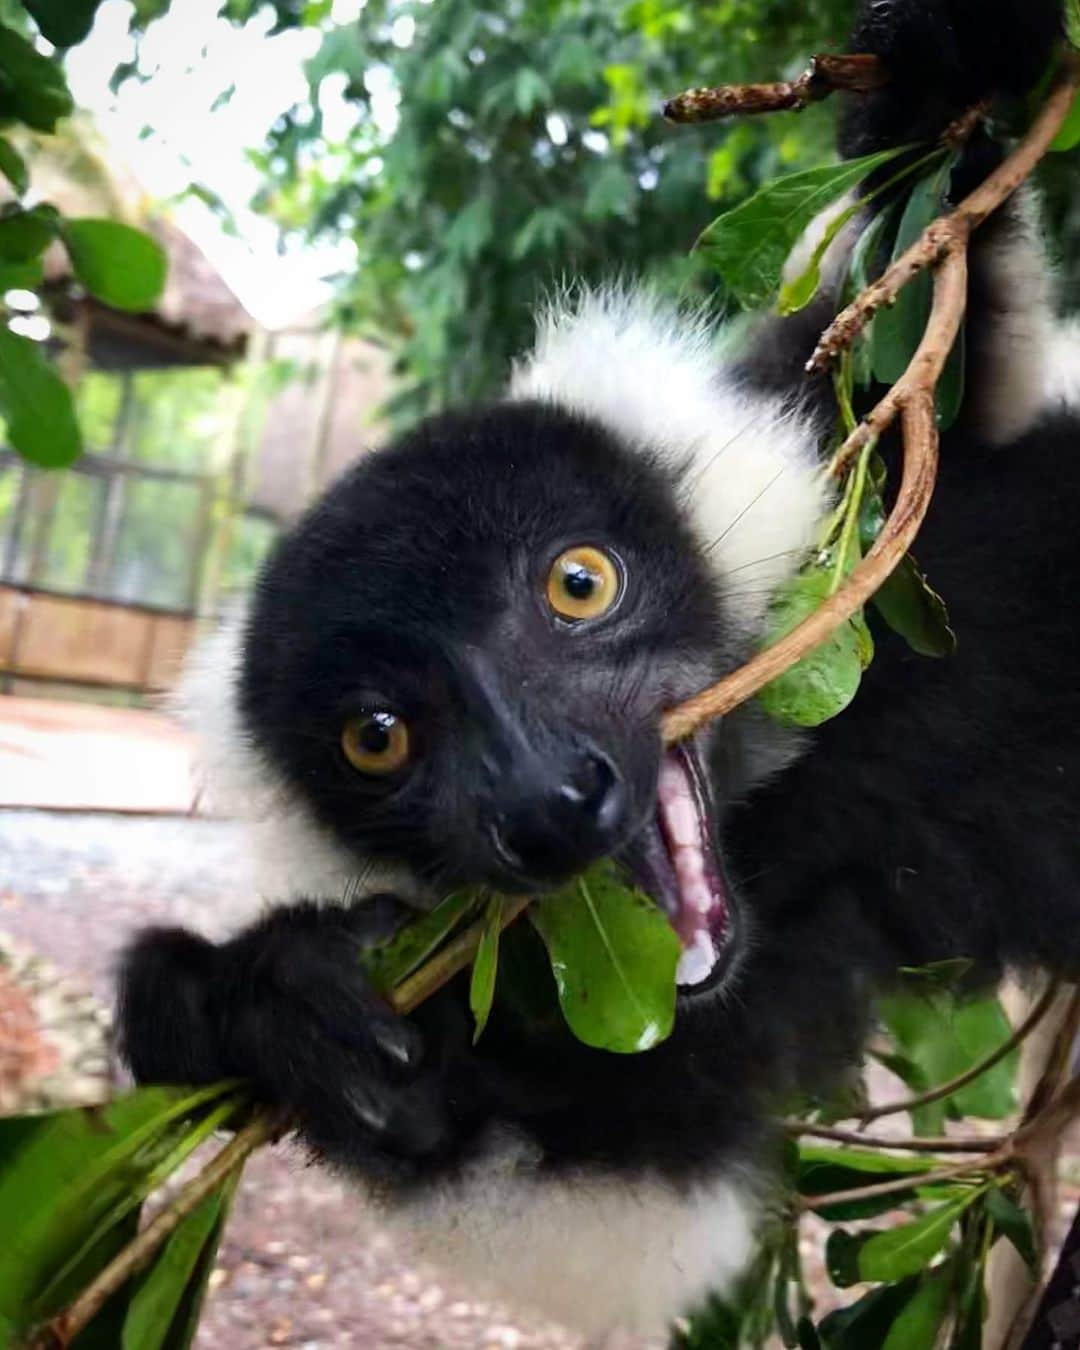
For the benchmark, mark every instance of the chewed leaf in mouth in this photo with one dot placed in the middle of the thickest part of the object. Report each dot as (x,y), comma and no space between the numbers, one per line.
(675,860)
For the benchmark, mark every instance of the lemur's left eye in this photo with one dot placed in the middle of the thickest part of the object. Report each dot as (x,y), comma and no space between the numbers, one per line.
(376,743)
(584,583)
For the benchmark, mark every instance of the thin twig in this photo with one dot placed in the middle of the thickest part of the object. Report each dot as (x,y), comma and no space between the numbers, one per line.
(936,1094)
(952,232)
(448,961)
(826,75)
(140,1251)
(989,1162)
(912,1144)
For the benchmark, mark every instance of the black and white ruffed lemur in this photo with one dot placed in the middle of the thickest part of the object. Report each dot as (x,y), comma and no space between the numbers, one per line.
(453,672)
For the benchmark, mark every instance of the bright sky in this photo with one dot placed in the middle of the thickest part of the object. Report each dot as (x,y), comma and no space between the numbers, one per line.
(192,56)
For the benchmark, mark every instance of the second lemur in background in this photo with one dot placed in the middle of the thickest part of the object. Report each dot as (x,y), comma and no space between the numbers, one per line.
(453,674)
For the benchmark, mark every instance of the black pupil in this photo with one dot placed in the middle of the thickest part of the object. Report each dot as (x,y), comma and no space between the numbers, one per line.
(374,735)
(578,582)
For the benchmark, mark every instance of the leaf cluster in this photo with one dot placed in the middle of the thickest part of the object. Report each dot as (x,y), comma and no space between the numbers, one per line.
(918,1279)
(121,266)
(72,1187)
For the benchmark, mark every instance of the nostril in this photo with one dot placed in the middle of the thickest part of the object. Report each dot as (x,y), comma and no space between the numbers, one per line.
(589,786)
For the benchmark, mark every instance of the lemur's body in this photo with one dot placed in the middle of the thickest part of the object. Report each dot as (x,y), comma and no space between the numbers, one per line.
(937,817)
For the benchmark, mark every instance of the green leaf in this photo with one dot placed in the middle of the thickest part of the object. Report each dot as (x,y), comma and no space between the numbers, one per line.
(473,227)
(968,1332)
(611,192)
(865,1324)
(36,404)
(919,1321)
(390,962)
(160,1293)
(26,276)
(13,166)
(824,1171)
(485,965)
(186,1322)
(1068,136)
(842,1257)
(69,1172)
(941,1037)
(906,1250)
(749,245)
(613,954)
(1015,1224)
(25,235)
(123,267)
(825,681)
(911,607)
(797,293)
(63,22)
(899,329)
(530,91)
(1072,21)
(32,88)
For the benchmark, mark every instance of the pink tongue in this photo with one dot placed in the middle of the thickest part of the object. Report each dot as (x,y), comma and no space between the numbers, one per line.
(697,900)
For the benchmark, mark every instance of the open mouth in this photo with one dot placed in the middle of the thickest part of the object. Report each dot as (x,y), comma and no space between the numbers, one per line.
(675,860)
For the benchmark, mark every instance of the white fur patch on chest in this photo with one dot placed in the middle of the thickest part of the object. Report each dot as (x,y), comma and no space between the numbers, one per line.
(751,478)
(597,1252)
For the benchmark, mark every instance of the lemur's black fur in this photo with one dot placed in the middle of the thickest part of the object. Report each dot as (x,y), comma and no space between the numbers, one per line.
(937,817)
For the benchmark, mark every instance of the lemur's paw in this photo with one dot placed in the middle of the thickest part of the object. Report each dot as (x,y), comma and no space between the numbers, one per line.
(285,1006)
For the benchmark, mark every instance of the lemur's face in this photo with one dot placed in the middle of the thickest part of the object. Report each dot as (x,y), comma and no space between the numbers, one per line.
(460,658)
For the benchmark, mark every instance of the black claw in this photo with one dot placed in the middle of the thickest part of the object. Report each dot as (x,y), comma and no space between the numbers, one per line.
(399,1042)
(372,1109)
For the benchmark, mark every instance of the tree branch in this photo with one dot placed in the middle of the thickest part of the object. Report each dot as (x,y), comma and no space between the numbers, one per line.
(952,232)
(826,75)
(912,1144)
(989,1162)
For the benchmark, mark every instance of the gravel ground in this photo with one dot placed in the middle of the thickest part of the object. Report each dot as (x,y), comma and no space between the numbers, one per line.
(300,1265)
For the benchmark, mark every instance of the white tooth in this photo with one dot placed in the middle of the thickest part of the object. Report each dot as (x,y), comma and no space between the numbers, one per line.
(697,960)
(700,897)
(681,822)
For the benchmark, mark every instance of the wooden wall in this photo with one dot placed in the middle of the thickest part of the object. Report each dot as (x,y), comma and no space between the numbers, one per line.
(97,643)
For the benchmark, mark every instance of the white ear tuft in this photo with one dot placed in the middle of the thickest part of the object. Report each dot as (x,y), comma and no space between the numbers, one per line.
(748,462)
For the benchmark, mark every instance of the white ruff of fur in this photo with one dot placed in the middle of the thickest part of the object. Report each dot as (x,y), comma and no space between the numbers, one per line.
(751,477)
(598,1253)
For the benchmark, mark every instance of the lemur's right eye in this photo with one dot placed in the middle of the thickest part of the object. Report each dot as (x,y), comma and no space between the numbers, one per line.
(376,743)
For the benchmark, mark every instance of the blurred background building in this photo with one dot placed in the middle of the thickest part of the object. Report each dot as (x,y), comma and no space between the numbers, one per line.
(205,433)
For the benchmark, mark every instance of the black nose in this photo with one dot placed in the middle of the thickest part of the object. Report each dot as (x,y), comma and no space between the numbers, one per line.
(563,821)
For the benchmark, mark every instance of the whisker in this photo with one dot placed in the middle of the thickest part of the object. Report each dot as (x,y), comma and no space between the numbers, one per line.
(748,507)
(747,426)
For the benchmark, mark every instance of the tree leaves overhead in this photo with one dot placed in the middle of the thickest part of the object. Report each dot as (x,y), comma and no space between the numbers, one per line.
(32,88)
(749,245)
(550,120)
(63,22)
(123,267)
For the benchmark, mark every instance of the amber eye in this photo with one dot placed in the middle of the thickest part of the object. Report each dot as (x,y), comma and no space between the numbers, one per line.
(583,583)
(377,743)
